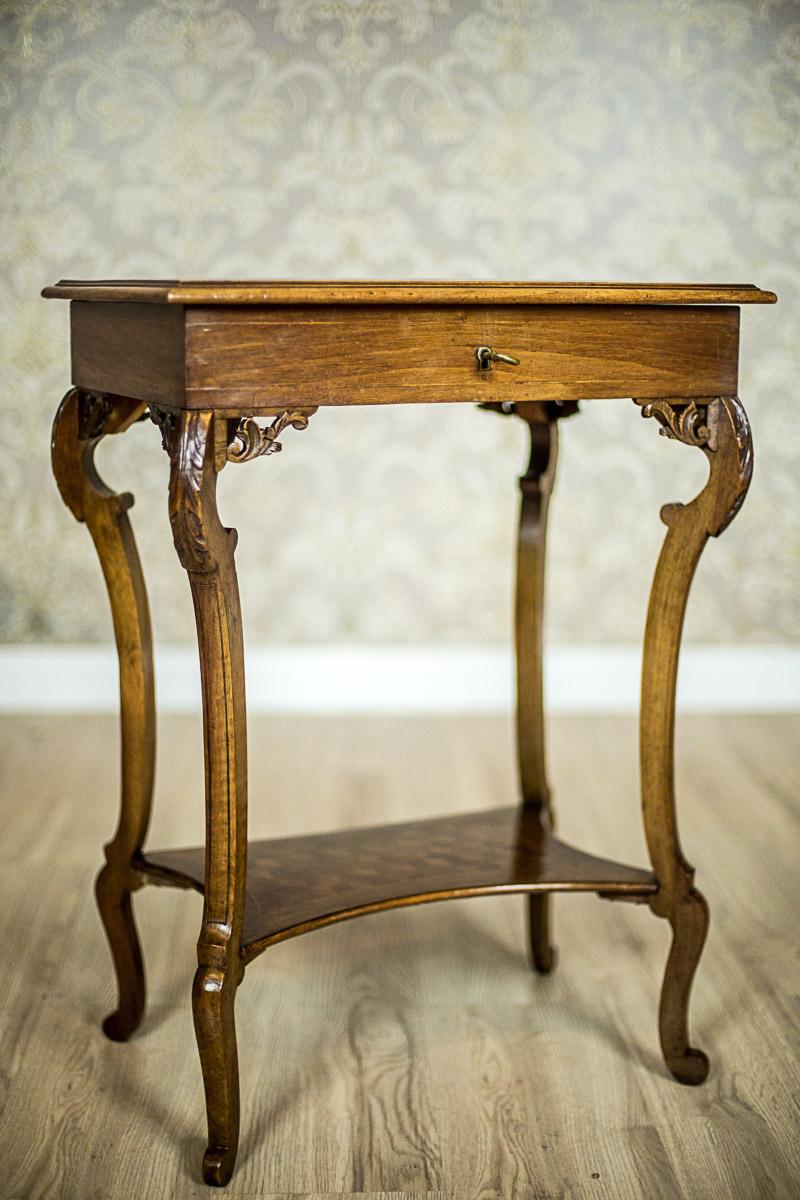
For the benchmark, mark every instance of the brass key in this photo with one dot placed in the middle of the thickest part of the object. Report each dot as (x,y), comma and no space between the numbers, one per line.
(486,356)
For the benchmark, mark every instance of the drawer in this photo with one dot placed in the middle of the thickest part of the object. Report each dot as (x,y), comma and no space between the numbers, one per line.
(393,354)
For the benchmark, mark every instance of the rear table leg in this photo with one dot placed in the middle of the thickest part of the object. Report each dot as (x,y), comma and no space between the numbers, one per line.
(536,486)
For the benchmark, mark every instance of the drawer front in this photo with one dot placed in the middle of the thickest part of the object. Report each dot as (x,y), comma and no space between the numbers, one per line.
(268,357)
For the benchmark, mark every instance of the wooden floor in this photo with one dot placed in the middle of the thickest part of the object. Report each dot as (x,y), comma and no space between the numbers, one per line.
(411,1053)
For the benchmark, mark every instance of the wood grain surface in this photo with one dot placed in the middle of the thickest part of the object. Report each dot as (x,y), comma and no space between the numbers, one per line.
(205,549)
(361,291)
(131,350)
(392,354)
(411,1054)
(246,359)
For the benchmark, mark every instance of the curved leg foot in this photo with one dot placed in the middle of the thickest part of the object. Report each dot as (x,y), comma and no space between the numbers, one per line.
(213,997)
(83,419)
(689,921)
(543,954)
(720,428)
(116,913)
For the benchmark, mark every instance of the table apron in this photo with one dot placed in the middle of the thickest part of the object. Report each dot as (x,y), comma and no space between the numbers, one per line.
(247,358)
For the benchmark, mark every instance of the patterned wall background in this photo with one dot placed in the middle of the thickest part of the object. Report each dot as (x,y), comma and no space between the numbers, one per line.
(550,139)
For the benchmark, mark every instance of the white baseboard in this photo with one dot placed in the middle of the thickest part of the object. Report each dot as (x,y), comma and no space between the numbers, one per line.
(407,679)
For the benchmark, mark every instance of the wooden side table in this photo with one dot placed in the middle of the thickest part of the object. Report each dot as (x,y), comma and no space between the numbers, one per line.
(205,361)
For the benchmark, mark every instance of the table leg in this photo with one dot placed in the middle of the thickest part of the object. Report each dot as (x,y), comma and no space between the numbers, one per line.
(720,428)
(535,487)
(83,419)
(206,551)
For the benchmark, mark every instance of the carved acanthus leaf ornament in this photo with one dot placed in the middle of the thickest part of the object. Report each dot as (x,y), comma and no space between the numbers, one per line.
(252,440)
(690,422)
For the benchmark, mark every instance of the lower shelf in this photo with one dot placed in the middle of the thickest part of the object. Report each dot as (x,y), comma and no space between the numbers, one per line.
(297,884)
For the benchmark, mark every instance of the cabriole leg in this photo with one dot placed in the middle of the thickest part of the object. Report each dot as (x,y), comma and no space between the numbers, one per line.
(83,419)
(720,428)
(206,551)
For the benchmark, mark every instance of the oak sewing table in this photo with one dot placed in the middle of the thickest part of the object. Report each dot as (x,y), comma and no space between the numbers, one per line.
(206,361)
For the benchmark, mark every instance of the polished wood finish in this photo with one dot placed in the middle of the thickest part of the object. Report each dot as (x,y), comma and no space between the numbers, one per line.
(81,422)
(360,291)
(130,350)
(295,885)
(247,359)
(243,357)
(206,550)
(206,363)
(721,430)
(536,486)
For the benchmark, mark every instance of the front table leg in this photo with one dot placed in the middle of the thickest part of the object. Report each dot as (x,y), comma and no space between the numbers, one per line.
(720,428)
(206,551)
(83,419)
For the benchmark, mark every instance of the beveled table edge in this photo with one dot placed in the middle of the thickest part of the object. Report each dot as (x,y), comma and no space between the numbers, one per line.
(348,292)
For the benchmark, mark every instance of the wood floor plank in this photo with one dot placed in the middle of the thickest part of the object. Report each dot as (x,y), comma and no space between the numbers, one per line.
(411,1053)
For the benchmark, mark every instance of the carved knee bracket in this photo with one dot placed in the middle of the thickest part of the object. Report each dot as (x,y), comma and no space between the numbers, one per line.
(240,439)
(251,440)
(199,444)
(719,426)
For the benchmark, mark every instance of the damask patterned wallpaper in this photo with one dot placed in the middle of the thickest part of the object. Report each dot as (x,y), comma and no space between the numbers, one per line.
(549,139)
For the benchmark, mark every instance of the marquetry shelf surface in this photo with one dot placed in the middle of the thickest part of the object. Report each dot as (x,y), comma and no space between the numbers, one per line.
(296,884)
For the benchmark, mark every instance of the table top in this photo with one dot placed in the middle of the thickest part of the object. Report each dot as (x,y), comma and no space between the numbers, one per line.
(340,291)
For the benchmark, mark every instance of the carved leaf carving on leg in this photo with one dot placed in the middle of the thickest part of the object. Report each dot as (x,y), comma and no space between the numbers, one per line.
(720,428)
(741,454)
(190,461)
